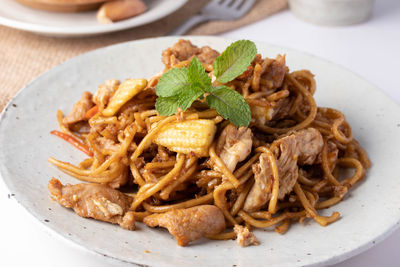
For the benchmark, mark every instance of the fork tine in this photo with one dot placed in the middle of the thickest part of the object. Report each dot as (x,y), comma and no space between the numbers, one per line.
(216,9)
(238,4)
(215,3)
(246,5)
(228,3)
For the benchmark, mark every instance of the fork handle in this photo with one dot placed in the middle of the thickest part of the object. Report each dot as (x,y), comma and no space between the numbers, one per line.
(188,24)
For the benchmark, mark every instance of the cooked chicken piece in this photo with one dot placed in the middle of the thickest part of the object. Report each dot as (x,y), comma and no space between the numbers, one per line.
(207,55)
(234,145)
(189,224)
(79,109)
(286,159)
(278,109)
(309,143)
(97,201)
(275,73)
(105,92)
(185,50)
(274,111)
(244,237)
(182,50)
(290,151)
(260,193)
(262,115)
(281,108)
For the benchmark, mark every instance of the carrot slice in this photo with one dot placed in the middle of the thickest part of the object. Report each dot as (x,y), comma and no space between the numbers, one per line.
(91,112)
(72,140)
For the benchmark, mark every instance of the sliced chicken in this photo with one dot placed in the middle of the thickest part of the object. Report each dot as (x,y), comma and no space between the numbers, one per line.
(244,237)
(281,108)
(308,144)
(274,111)
(189,224)
(291,151)
(182,50)
(185,50)
(275,73)
(97,201)
(260,193)
(234,145)
(262,115)
(79,109)
(287,170)
(286,159)
(207,55)
(105,92)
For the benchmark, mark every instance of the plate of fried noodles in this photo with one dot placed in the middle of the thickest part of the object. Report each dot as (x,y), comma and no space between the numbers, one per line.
(205,151)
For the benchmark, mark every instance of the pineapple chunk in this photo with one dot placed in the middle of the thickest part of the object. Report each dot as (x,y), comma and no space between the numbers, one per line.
(187,136)
(126,90)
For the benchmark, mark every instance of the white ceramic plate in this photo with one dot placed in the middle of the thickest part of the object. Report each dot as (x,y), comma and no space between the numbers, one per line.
(370,212)
(16,15)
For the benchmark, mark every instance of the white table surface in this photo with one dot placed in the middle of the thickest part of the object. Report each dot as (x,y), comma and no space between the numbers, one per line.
(371,49)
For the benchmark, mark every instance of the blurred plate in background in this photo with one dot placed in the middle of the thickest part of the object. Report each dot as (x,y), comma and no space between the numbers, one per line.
(16,15)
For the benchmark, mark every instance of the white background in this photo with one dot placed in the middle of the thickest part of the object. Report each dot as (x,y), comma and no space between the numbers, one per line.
(371,49)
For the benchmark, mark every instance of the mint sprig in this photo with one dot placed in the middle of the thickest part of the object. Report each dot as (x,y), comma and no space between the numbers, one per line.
(230,105)
(197,75)
(166,106)
(234,60)
(173,82)
(181,87)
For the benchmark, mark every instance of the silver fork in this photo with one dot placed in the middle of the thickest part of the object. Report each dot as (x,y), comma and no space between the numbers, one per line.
(216,10)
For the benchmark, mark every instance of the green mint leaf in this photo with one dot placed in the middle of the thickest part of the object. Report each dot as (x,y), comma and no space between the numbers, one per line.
(186,98)
(234,60)
(197,75)
(166,106)
(172,82)
(230,105)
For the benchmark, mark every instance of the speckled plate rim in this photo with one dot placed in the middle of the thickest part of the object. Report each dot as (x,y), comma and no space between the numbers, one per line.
(145,18)
(375,239)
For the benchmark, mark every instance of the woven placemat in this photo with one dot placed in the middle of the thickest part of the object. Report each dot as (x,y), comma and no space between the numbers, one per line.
(24,55)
